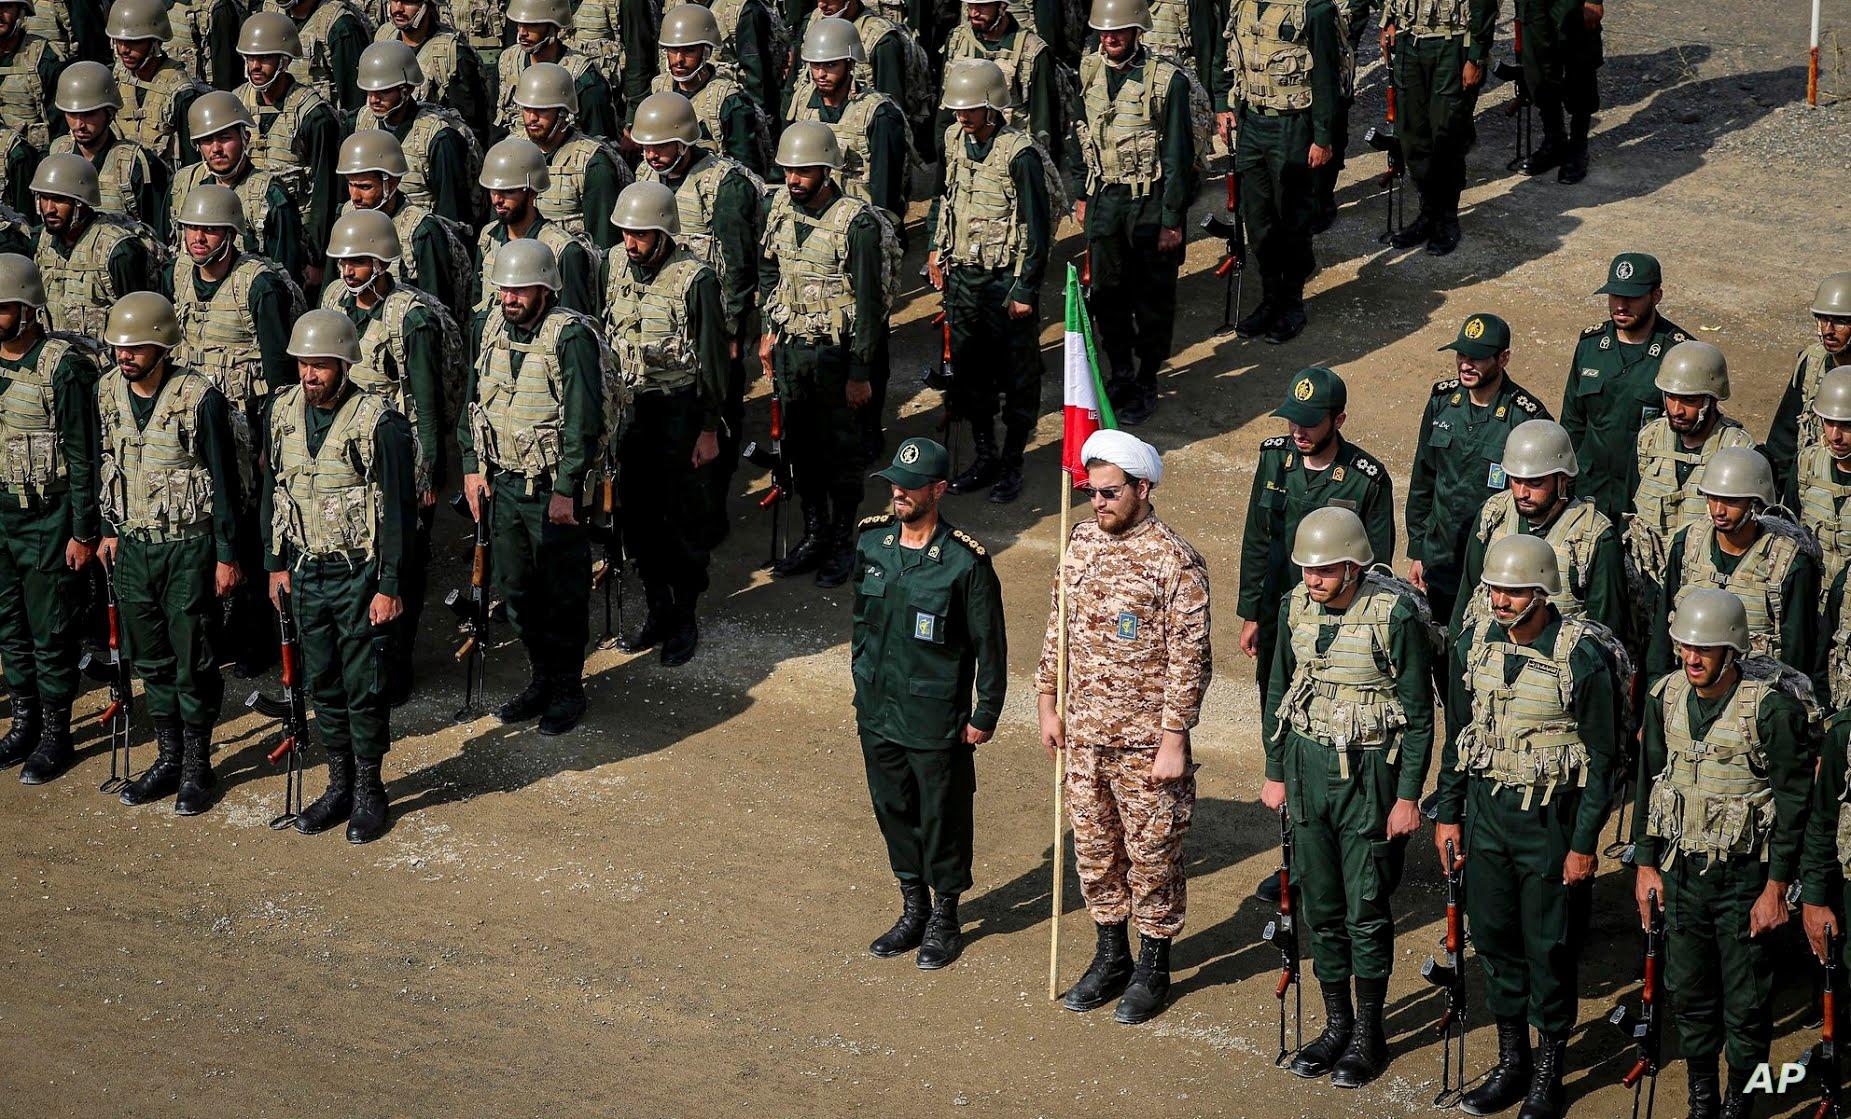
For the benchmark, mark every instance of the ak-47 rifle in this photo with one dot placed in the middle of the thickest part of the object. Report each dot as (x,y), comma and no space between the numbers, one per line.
(1232,268)
(471,606)
(1645,1026)
(1385,139)
(1521,104)
(607,529)
(769,457)
(292,710)
(1448,974)
(1282,933)
(1821,1060)
(939,375)
(121,679)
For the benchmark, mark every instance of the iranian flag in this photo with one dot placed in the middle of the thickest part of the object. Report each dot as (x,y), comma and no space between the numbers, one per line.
(1086,407)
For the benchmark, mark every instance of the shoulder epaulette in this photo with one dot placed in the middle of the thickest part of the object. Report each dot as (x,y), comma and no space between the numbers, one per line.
(1678,336)
(1593,330)
(1526,402)
(1448,385)
(876,521)
(1367,465)
(1274,443)
(968,541)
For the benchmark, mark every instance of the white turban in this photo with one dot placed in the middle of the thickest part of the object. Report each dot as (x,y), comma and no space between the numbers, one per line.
(1126,451)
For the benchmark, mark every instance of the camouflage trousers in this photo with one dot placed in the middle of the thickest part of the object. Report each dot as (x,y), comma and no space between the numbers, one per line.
(1128,835)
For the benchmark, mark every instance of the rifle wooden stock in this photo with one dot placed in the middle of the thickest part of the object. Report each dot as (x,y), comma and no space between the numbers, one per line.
(282,750)
(1633,1075)
(468,647)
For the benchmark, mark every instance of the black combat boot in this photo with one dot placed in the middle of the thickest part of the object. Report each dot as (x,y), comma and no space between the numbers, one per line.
(1550,153)
(984,468)
(531,700)
(23,736)
(656,621)
(1736,1102)
(1546,1099)
(840,562)
(1510,1079)
(1321,1054)
(909,930)
(1416,232)
(1107,975)
(1120,388)
(684,634)
(944,940)
(1289,323)
(1257,321)
(1268,889)
(1140,403)
(196,777)
(807,554)
(53,754)
(1150,983)
(370,813)
(1008,485)
(1445,237)
(336,801)
(1705,1089)
(567,706)
(1574,161)
(1367,1053)
(162,779)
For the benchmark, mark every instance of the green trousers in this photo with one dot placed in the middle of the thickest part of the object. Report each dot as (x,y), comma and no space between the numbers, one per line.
(922,802)
(1560,60)
(717,477)
(664,497)
(168,610)
(1528,928)
(414,579)
(1436,119)
(1345,867)
(993,356)
(543,572)
(345,655)
(1278,200)
(822,436)
(39,599)
(1133,299)
(1720,979)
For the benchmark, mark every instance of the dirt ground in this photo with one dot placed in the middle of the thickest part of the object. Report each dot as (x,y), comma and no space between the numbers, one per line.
(665,913)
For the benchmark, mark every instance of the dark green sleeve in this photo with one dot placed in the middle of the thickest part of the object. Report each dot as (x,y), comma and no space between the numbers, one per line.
(582,409)
(87,29)
(1597,718)
(1659,656)
(1411,649)
(283,241)
(1651,763)
(1803,646)
(21,162)
(1044,106)
(1205,22)
(321,140)
(183,104)
(939,168)
(637,25)
(429,248)
(270,310)
(736,224)
(1037,217)
(1821,874)
(983,620)
(1327,91)
(1451,781)
(220,452)
(272,548)
(346,39)
(154,193)
(1828,634)
(50,65)
(1378,515)
(1470,571)
(224,67)
(449,178)
(424,373)
(468,92)
(888,61)
(1782,726)
(79,436)
(887,159)
(584,284)
(767,274)
(1178,154)
(1574,414)
(398,520)
(602,186)
(752,51)
(707,317)
(1605,596)
(131,269)
(739,122)
(465,441)
(1783,435)
(1285,664)
(1256,542)
(1420,489)
(865,264)
(598,115)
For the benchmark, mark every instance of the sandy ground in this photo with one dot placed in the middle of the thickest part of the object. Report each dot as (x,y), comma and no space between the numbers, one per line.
(665,912)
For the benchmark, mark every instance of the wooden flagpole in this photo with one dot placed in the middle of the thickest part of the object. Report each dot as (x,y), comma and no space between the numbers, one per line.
(1060,754)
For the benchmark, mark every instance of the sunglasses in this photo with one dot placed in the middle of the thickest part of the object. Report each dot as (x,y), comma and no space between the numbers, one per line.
(1104,493)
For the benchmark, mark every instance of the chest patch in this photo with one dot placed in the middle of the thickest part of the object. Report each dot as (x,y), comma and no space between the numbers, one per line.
(1494,478)
(925,626)
(1127,626)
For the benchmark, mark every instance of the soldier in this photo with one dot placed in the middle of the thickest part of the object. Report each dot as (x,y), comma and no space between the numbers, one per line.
(334,32)
(869,125)
(928,632)
(29,68)
(1133,176)
(621,36)
(1348,730)
(169,491)
(294,134)
(1279,111)
(515,175)
(1612,390)
(131,180)
(1439,52)
(88,259)
(221,127)
(1821,479)
(436,250)
(729,116)
(664,317)
(206,40)
(990,32)
(1796,427)
(76,25)
(1138,664)
(882,65)
(1720,811)
(1458,458)
(156,91)
(1823,862)
(1530,763)
(754,42)
(453,70)
(1561,52)
(584,172)
(409,348)
(990,230)
(48,520)
(539,37)
(341,501)
(823,286)
(436,141)
(483,25)
(529,437)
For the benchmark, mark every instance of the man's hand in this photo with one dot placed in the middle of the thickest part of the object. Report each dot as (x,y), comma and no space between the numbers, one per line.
(1250,639)
(1577,868)
(732,349)
(1169,240)
(1818,919)
(1473,75)
(1591,14)
(1403,818)
(1053,735)
(1453,833)
(706,448)
(77,554)
(933,272)
(1417,575)
(106,551)
(1020,311)
(561,510)
(1224,126)
(765,343)
(859,393)
(1172,759)
(1647,879)
(279,586)
(1319,155)
(1770,909)
(475,491)
(427,498)
(225,578)
(974,737)
(384,608)
(1272,795)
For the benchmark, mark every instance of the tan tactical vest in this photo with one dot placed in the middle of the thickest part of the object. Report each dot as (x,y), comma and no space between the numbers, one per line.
(1269,55)
(1713,797)
(1122,139)
(1815,363)
(483,23)
(151,112)
(218,337)
(1660,505)
(510,64)
(78,290)
(253,191)
(695,201)
(315,69)
(516,419)
(409,219)
(1757,579)
(430,122)
(649,325)
(554,237)
(126,165)
(153,481)
(328,503)
(597,32)
(856,175)
(384,357)
(1844,802)
(1428,19)
(1017,60)
(1572,536)
(194,22)
(563,202)
(31,458)
(1523,735)
(815,295)
(980,224)
(50,20)
(1344,697)
(1169,33)
(1821,501)
(23,97)
(275,145)
(1838,661)
(439,58)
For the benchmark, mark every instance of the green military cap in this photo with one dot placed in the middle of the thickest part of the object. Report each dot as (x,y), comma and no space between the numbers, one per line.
(917,464)
(1316,392)
(1631,275)
(1481,336)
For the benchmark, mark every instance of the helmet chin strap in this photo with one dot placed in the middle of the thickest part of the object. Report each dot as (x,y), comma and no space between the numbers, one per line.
(276,76)
(1536,600)
(371,281)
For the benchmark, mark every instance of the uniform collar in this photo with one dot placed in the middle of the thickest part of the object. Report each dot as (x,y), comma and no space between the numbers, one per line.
(934,550)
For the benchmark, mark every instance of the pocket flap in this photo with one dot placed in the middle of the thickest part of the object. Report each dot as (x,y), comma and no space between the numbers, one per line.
(932,689)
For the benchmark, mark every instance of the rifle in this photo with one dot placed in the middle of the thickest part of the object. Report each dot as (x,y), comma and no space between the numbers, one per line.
(1821,1060)
(770,458)
(471,606)
(121,680)
(939,375)
(1448,974)
(292,710)
(607,528)
(1385,139)
(1521,104)
(1644,1027)
(1282,931)
(1233,265)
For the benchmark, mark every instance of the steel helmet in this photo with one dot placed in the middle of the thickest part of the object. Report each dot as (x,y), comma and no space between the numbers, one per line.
(1833,296)
(1331,535)
(142,318)
(1834,399)
(1737,472)
(647,205)
(665,118)
(693,25)
(1694,369)
(372,149)
(364,233)
(325,332)
(20,281)
(216,112)
(547,85)
(832,39)
(1119,15)
(805,143)
(556,12)
(1707,617)
(515,163)
(975,83)
(213,206)
(69,175)
(1518,561)
(525,262)
(387,64)
(269,33)
(130,20)
(1539,448)
(85,87)
(30,7)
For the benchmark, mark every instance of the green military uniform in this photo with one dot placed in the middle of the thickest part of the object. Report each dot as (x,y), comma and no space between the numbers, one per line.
(77,24)
(236,328)
(1433,41)
(206,40)
(296,141)
(585,175)
(1588,553)
(273,224)
(18,161)
(437,151)
(333,34)
(871,129)
(580,263)
(731,120)
(1825,858)
(1029,65)
(154,109)
(748,46)
(1795,428)
(598,113)
(108,259)
(1561,55)
(454,74)
(882,40)
(622,36)
(1778,579)
(134,182)
(436,257)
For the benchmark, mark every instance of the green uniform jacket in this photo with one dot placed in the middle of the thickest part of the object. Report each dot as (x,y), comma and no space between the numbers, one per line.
(451,183)
(423,374)
(1033,210)
(754,55)
(1822,875)
(1604,596)
(1803,647)
(599,198)
(1171,198)
(1611,395)
(1329,94)
(1283,492)
(865,263)
(582,404)
(320,138)
(639,25)
(153,192)
(346,40)
(73,405)
(218,450)
(1044,108)
(928,626)
(707,322)
(1458,463)
(1783,435)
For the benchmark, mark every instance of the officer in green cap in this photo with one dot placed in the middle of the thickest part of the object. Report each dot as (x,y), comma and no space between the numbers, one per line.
(1561,53)
(1459,455)
(585,173)
(437,143)
(1796,427)
(1820,483)
(1439,53)
(730,118)
(928,633)
(221,127)
(1611,390)
(515,175)
(87,258)
(1534,729)
(155,89)
(131,180)
(48,520)
(436,249)
(1721,805)
(1348,728)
